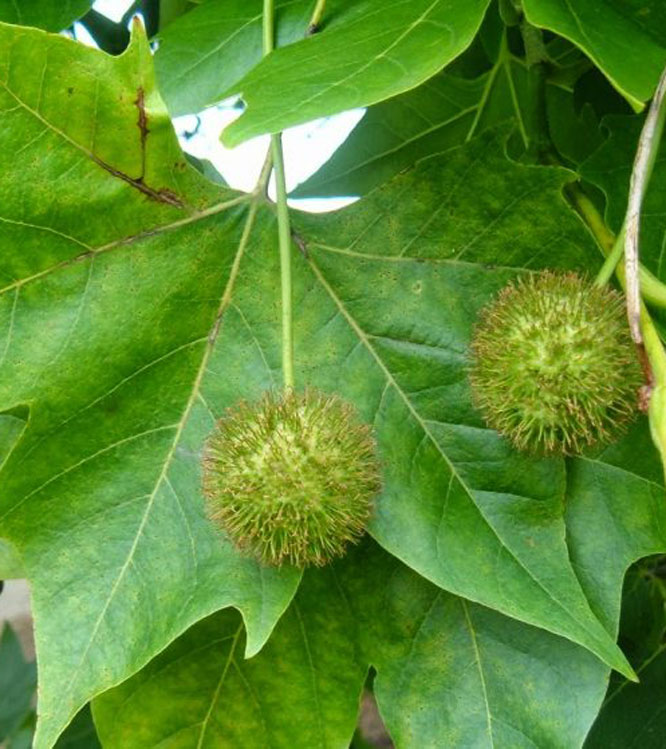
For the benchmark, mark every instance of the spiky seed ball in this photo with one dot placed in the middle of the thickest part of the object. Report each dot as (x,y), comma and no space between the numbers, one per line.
(292,478)
(554,367)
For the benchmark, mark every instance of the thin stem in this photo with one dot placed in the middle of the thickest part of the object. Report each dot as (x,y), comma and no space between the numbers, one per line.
(607,241)
(261,188)
(268,27)
(612,259)
(646,155)
(284,229)
(317,15)
(539,141)
(652,289)
(487,88)
(284,235)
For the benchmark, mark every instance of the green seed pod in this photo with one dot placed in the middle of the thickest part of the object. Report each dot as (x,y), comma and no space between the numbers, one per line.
(554,368)
(291,478)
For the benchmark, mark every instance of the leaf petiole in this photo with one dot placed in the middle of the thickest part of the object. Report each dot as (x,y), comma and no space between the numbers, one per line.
(317,15)
(284,228)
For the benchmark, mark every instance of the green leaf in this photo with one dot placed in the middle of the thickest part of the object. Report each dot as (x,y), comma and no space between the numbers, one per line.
(109,328)
(624,39)
(633,715)
(450,673)
(609,168)
(471,220)
(126,336)
(439,115)
(367,52)
(44,14)
(302,690)
(618,505)
(18,681)
(205,52)
(170,10)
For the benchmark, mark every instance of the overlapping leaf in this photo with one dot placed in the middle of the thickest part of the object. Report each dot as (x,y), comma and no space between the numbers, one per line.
(203,53)
(626,40)
(442,239)
(441,114)
(44,14)
(610,168)
(367,51)
(108,322)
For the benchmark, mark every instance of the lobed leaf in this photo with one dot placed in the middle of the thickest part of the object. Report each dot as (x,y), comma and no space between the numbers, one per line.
(450,673)
(108,331)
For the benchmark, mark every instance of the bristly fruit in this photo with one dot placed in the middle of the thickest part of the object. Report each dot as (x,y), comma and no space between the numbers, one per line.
(554,368)
(291,478)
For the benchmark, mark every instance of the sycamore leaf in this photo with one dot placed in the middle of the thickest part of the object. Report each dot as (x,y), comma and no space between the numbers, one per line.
(443,239)
(450,673)
(626,43)
(108,331)
(367,51)
(44,14)
(617,515)
(203,53)
(126,336)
